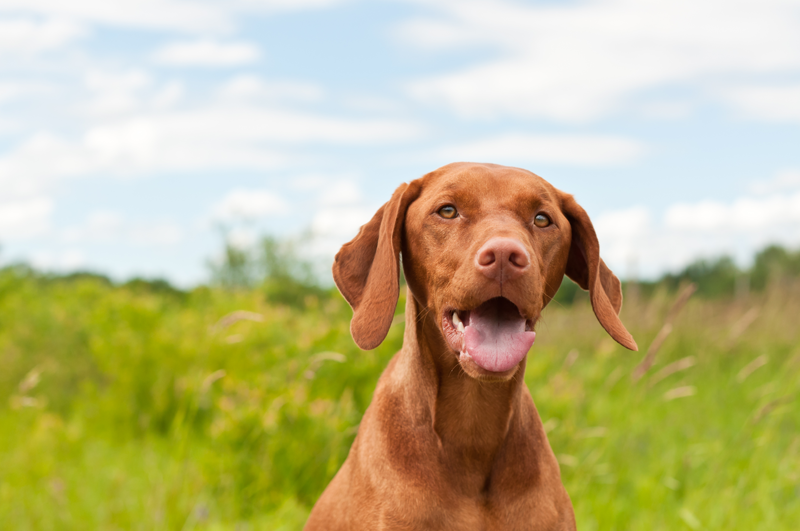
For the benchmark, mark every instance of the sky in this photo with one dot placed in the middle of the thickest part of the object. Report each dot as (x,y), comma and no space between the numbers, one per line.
(136,136)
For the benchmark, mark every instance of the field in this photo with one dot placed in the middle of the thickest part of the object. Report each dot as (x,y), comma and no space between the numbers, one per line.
(135,407)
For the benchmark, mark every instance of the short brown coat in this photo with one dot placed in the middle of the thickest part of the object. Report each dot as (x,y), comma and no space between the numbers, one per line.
(445,444)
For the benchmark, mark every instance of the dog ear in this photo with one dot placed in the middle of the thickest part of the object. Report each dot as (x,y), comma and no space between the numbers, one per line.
(366,269)
(588,270)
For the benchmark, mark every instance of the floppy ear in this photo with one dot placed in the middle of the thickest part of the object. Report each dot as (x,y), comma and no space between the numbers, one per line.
(588,270)
(366,269)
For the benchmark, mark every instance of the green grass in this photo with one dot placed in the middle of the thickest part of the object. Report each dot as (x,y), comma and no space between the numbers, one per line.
(123,408)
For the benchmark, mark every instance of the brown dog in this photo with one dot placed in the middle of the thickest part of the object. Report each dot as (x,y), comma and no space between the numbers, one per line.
(452,439)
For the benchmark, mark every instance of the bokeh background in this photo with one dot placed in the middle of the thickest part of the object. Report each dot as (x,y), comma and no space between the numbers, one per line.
(176,175)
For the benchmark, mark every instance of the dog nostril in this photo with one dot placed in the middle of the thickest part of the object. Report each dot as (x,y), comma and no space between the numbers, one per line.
(519,260)
(486,258)
(502,259)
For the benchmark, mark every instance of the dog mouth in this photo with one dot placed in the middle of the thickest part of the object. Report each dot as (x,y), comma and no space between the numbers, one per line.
(494,335)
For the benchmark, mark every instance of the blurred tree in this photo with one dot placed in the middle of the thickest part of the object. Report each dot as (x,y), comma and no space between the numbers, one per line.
(774,262)
(77,276)
(234,270)
(156,286)
(568,293)
(714,278)
(275,266)
(286,277)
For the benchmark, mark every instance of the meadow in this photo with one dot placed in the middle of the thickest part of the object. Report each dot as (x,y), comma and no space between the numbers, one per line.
(138,406)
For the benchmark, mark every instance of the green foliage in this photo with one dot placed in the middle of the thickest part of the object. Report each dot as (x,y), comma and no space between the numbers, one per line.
(721,277)
(286,277)
(715,278)
(154,286)
(568,293)
(139,406)
(774,263)
(274,266)
(134,408)
(235,270)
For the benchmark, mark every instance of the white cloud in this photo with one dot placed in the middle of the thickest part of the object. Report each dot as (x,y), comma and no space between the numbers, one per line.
(33,167)
(8,126)
(207,138)
(275,5)
(207,53)
(15,90)
(168,95)
(341,193)
(572,150)
(155,234)
(334,226)
(700,229)
(242,204)
(191,16)
(338,205)
(24,219)
(238,137)
(9,91)
(25,36)
(580,61)
(67,260)
(341,210)
(181,15)
(242,238)
(340,221)
(624,225)
(116,92)
(745,215)
(784,180)
(623,235)
(778,103)
(249,87)
(666,110)
(372,104)
(120,93)
(99,227)
(71,259)
(109,227)
(128,81)
(207,133)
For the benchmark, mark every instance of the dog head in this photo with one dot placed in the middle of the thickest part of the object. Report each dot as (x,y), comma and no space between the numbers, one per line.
(484,249)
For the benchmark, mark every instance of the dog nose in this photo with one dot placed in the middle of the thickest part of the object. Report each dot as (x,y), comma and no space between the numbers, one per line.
(502,259)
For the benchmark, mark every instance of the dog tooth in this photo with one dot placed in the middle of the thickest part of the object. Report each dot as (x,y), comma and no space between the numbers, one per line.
(457,322)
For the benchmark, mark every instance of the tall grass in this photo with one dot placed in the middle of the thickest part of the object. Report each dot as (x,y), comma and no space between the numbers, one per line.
(131,408)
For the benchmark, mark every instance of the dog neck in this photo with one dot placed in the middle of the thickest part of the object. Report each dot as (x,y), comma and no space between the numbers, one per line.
(471,418)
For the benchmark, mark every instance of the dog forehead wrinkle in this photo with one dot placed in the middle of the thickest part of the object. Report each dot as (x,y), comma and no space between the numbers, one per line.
(485,209)
(480,188)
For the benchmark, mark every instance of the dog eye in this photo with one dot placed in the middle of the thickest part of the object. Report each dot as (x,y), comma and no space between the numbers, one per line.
(541,220)
(448,212)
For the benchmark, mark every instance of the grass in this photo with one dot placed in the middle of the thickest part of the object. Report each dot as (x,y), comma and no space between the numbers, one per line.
(123,408)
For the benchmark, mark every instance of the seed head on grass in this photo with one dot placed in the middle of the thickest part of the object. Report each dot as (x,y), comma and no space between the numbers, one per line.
(680,392)
(740,326)
(235,317)
(751,367)
(672,368)
(771,406)
(665,331)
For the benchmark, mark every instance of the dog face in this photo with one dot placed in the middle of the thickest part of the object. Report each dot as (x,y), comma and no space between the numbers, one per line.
(484,249)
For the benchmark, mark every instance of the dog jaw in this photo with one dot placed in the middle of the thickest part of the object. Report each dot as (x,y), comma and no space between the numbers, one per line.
(489,340)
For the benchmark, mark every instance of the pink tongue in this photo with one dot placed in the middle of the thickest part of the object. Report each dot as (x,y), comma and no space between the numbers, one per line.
(496,338)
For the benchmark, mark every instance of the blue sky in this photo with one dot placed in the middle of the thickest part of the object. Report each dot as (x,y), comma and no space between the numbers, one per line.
(130,132)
